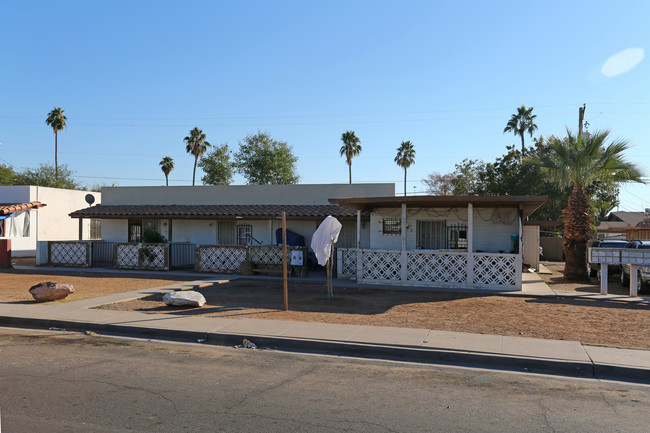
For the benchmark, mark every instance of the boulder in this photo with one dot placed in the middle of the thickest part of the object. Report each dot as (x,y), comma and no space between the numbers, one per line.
(50,291)
(183,298)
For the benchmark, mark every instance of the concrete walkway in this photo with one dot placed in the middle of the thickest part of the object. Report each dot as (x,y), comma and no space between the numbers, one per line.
(422,345)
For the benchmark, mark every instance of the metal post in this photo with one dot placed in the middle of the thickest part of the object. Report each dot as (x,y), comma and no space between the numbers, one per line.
(634,279)
(284,260)
(604,276)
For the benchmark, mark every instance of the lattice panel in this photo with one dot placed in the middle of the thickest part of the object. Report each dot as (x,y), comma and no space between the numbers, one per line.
(349,265)
(440,268)
(221,259)
(266,255)
(381,265)
(69,253)
(153,256)
(128,256)
(495,270)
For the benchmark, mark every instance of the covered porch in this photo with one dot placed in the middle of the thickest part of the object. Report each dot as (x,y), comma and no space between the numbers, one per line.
(436,241)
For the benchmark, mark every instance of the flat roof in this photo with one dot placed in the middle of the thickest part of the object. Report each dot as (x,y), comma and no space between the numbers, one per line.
(527,203)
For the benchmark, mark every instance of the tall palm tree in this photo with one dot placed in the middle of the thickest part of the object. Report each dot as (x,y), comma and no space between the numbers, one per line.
(405,158)
(57,120)
(196,145)
(577,162)
(520,123)
(167,165)
(350,148)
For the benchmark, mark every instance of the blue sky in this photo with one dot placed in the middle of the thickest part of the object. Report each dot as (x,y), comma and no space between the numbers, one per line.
(135,76)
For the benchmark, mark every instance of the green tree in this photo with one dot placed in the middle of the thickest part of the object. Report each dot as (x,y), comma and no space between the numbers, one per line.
(521,123)
(7,175)
(57,120)
(576,163)
(405,158)
(196,145)
(350,148)
(217,166)
(263,160)
(46,175)
(166,165)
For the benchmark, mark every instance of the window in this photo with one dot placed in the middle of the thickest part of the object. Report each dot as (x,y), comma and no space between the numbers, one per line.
(95,229)
(244,234)
(457,236)
(392,226)
(135,230)
(430,235)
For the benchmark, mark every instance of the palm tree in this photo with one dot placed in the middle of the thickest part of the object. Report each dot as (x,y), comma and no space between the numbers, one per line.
(57,120)
(350,148)
(196,145)
(577,162)
(520,123)
(167,165)
(405,158)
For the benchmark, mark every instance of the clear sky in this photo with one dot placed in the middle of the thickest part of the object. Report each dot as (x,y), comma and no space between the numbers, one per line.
(135,76)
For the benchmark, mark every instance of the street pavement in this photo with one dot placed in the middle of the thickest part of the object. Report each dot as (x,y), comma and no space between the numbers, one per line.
(568,358)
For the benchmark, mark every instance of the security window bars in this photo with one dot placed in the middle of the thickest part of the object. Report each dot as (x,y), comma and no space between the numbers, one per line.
(457,236)
(392,226)
(95,229)
(244,234)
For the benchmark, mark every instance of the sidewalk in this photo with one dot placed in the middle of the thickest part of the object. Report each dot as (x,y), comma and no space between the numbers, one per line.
(568,358)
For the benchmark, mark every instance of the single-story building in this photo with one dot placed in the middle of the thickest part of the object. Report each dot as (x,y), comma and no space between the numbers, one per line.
(451,241)
(29,214)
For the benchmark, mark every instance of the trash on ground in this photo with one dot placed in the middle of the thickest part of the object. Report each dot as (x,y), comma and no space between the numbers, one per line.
(201,340)
(246,344)
(52,328)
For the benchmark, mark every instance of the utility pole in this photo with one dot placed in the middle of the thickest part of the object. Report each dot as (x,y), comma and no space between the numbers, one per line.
(581,117)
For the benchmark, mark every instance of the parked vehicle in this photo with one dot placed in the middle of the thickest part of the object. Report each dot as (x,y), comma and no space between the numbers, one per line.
(643,272)
(594,268)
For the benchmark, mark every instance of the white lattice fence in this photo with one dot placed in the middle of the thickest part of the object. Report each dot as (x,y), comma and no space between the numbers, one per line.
(381,265)
(142,256)
(69,253)
(347,263)
(495,270)
(271,255)
(212,258)
(443,269)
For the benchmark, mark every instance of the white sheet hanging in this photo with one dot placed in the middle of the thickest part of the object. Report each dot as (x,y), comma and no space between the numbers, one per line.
(325,235)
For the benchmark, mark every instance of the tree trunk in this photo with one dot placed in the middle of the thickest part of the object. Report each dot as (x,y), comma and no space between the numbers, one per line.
(56,161)
(196,158)
(577,227)
(404,182)
(523,147)
(350,169)
(166,180)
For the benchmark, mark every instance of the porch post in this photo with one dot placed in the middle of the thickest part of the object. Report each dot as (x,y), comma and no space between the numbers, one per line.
(518,264)
(81,229)
(470,245)
(358,244)
(271,240)
(403,258)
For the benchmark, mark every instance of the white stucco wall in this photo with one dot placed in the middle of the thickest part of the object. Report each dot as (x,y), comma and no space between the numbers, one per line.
(115,230)
(49,222)
(198,232)
(492,227)
(242,194)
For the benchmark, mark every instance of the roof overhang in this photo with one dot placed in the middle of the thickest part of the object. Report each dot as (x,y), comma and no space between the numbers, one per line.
(6,209)
(211,212)
(526,203)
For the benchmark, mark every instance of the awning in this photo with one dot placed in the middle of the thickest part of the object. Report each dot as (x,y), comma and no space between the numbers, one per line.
(6,209)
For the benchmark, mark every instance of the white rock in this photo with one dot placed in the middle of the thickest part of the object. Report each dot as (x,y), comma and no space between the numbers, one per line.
(184,298)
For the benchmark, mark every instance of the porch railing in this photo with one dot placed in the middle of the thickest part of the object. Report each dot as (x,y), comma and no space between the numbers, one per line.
(69,253)
(453,269)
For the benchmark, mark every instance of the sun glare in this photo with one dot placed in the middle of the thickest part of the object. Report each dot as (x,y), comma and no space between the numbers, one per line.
(622,62)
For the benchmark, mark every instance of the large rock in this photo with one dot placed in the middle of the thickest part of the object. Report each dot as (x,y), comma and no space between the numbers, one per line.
(183,298)
(50,291)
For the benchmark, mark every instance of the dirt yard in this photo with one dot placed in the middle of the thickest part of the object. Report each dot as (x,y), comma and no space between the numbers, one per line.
(556,281)
(14,284)
(610,323)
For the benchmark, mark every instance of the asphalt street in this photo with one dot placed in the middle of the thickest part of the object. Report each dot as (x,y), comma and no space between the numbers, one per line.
(71,382)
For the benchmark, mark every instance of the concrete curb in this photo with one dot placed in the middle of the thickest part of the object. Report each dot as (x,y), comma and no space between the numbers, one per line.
(361,350)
